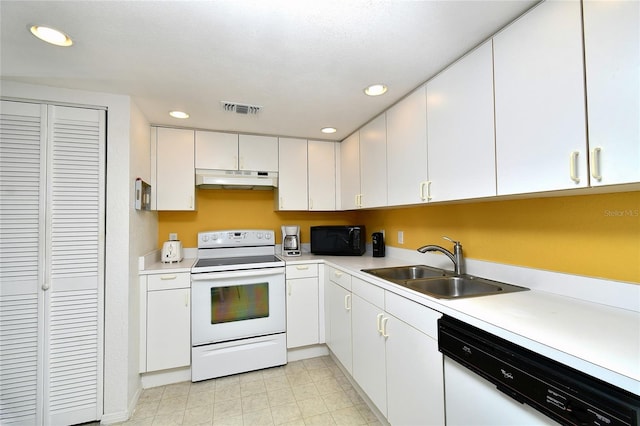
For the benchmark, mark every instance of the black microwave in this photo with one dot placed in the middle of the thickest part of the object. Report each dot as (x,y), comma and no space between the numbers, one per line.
(338,240)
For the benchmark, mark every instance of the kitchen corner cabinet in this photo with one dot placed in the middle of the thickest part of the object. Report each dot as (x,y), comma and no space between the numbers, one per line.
(351,197)
(407,150)
(173,171)
(303,301)
(321,175)
(461,144)
(338,301)
(373,163)
(540,101)
(292,190)
(612,60)
(165,326)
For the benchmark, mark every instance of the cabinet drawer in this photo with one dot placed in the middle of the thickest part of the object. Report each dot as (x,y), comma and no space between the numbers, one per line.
(168,281)
(414,314)
(369,292)
(302,271)
(339,277)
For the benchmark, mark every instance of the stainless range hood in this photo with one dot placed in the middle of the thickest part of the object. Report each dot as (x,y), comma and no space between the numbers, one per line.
(235,179)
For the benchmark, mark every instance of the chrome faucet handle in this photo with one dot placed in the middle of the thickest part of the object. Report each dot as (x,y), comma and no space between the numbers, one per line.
(449,239)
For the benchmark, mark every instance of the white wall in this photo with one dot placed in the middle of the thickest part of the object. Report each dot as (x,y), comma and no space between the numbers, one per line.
(143,231)
(125,123)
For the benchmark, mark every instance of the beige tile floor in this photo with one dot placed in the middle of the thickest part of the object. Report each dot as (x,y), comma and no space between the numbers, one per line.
(308,392)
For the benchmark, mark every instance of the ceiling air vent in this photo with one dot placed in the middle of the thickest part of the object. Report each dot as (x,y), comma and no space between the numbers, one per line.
(239,108)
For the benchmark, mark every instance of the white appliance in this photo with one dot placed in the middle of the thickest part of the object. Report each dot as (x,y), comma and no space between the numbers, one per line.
(291,240)
(172,251)
(238,311)
(491,381)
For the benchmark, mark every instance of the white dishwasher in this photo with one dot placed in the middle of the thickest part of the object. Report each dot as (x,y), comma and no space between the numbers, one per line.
(490,381)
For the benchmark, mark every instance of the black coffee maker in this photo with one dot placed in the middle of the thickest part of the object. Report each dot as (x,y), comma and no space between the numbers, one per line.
(377,239)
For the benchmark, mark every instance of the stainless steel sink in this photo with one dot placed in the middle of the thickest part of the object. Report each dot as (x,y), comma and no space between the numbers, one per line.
(440,283)
(460,287)
(400,274)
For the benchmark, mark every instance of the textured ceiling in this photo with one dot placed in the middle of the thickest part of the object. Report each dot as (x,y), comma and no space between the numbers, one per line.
(304,62)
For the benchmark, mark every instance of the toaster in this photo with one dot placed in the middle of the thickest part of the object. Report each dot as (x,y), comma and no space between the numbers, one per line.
(171,251)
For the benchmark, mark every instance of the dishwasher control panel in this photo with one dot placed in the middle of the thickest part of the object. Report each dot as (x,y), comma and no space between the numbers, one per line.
(556,390)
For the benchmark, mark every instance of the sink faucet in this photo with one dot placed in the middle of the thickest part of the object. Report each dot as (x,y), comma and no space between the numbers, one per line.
(456,256)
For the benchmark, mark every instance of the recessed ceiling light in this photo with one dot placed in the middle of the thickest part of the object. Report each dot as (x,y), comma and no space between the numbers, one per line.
(178,114)
(376,90)
(51,35)
(328,130)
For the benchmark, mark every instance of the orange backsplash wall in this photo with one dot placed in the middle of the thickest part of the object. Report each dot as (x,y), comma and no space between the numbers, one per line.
(592,235)
(238,209)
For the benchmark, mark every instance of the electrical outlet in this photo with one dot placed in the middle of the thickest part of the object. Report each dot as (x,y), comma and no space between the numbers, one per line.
(400,237)
(383,236)
(173,236)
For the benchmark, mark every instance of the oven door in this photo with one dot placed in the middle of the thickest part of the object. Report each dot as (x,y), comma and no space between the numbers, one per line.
(237,304)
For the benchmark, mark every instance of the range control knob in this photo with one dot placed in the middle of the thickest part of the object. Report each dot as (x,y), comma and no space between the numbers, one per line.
(205,237)
(267,235)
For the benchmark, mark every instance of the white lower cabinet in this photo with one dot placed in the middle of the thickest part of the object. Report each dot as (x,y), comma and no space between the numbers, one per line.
(369,341)
(396,360)
(338,300)
(166,322)
(302,305)
(415,377)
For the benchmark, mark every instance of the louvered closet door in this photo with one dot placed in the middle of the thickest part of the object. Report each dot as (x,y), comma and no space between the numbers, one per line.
(22,136)
(51,263)
(74,265)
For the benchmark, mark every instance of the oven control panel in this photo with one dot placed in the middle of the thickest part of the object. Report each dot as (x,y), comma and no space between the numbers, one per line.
(236,238)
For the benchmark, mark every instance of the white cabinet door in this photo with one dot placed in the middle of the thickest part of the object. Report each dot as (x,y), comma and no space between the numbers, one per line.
(302,312)
(322,175)
(168,329)
(612,52)
(258,153)
(407,150)
(369,360)
(373,163)
(175,184)
(292,178)
(350,172)
(415,384)
(216,150)
(461,144)
(539,101)
(338,319)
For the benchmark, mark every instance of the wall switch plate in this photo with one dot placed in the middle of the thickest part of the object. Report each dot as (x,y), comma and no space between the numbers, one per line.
(400,237)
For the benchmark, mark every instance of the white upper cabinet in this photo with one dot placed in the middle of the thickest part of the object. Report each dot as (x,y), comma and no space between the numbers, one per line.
(461,144)
(612,52)
(292,177)
(322,175)
(174,183)
(258,153)
(373,163)
(407,150)
(350,172)
(539,101)
(216,150)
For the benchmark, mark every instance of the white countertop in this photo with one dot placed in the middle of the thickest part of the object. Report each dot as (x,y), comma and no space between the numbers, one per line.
(598,339)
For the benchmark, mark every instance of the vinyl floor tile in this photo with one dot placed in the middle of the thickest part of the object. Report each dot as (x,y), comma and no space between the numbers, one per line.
(308,392)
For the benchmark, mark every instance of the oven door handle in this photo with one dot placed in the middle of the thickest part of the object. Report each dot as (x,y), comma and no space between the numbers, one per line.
(235,274)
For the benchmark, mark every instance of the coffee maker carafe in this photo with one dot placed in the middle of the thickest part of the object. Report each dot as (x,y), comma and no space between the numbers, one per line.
(291,240)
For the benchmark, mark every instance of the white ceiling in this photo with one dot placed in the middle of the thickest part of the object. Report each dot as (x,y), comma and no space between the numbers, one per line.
(305,62)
